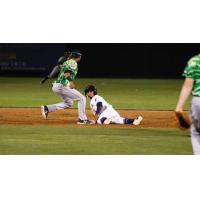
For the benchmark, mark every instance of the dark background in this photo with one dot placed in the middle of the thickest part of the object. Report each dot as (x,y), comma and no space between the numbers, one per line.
(99,60)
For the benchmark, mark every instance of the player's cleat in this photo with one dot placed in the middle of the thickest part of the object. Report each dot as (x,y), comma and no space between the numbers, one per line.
(137,121)
(107,121)
(85,121)
(44,111)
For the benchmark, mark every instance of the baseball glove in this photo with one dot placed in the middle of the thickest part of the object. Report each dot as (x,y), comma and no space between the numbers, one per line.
(183,120)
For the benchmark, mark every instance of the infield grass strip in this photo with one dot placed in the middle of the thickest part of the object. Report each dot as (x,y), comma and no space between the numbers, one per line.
(121,93)
(56,140)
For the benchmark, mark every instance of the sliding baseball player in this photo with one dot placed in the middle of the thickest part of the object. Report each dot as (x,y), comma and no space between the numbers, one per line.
(104,112)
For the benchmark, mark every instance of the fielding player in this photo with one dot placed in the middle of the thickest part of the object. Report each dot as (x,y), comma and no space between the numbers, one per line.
(104,112)
(57,68)
(192,84)
(64,87)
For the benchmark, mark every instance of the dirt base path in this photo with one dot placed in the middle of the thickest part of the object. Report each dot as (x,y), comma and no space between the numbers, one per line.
(32,116)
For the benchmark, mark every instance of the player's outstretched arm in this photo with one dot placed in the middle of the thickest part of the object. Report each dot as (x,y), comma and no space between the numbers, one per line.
(51,75)
(54,72)
(44,80)
(185,92)
(182,118)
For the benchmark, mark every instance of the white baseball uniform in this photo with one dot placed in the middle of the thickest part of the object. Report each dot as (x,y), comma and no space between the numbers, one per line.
(107,111)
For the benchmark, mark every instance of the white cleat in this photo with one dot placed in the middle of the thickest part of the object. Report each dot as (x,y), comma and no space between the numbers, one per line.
(44,111)
(137,121)
(107,121)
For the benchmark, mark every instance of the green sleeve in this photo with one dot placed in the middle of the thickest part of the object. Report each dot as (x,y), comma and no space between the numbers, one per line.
(189,72)
(192,68)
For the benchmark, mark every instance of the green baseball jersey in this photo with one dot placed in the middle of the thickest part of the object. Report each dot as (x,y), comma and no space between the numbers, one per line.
(192,70)
(68,66)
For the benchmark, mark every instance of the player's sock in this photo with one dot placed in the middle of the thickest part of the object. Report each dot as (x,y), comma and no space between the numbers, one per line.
(128,121)
(103,119)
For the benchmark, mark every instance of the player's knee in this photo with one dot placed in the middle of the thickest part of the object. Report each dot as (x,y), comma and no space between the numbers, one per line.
(70,104)
(83,98)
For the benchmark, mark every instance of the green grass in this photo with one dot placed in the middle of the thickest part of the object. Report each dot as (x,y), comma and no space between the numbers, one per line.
(88,140)
(121,93)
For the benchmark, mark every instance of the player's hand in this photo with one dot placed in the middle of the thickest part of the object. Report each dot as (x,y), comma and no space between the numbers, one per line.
(43,80)
(71,85)
(178,109)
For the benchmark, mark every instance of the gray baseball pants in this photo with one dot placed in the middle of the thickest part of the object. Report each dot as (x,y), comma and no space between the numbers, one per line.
(195,129)
(68,95)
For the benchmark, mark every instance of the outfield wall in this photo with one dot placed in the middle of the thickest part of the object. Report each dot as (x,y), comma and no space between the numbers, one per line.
(99,60)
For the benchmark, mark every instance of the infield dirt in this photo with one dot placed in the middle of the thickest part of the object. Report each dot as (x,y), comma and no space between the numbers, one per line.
(32,116)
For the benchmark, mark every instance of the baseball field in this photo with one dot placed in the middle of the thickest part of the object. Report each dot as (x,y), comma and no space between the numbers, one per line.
(24,131)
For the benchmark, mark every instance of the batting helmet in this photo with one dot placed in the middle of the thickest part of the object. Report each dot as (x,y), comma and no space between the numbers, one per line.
(76,54)
(90,88)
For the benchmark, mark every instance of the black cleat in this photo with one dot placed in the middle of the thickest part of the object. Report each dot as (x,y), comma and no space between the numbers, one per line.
(85,121)
(44,111)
